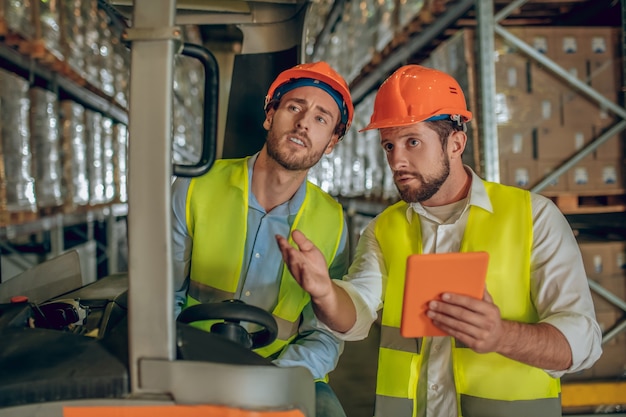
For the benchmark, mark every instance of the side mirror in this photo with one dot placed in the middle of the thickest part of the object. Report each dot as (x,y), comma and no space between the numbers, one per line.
(209,114)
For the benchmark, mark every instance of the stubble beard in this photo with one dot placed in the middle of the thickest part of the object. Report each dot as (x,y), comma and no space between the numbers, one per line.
(429,186)
(289,160)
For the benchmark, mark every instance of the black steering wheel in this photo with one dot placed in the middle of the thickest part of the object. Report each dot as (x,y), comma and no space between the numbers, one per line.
(233,312)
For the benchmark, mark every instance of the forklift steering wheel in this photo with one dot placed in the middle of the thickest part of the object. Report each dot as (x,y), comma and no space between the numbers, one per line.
(233,312)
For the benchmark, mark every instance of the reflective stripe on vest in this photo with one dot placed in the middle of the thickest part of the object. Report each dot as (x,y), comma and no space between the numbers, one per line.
(484,382)
(476,407)
(219,242)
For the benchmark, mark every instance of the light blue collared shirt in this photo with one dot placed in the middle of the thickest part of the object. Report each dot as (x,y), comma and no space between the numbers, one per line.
(316,348)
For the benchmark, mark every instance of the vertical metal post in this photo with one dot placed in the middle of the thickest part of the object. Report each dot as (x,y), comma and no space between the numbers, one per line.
(486,69)
(151,323)
(111,244)
(623,39)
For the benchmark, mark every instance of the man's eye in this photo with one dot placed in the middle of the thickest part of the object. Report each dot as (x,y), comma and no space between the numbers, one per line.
(387,147)
(414,142)
(321,120)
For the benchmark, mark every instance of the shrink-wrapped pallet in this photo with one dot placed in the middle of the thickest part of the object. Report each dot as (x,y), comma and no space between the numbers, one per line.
(73,23)
(16,18)
(95,169)
(108,167)
(121,70)
(120,161)
(74,162)
(91,17)
(33,27)
(18,189)
(106,76)
(47,22)
(46,147)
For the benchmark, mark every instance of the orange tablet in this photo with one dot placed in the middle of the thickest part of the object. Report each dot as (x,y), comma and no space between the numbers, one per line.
(430,275)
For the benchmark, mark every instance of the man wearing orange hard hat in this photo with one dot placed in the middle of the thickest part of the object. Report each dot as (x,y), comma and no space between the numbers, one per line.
(503,354)
(225,223)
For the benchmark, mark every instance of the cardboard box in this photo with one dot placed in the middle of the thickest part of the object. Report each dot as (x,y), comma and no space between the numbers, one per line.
(581,176)
(578,109)
(544,82)
(542,39)
(547,166)
(515,109)
(605,76)
(568,43)
(608,173)
(515,142)
(602,257)
(519,173)
(512,73)
(600,42)
(561,142)
(611,148)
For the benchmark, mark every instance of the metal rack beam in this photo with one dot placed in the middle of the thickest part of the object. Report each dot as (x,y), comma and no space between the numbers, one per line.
(29,67)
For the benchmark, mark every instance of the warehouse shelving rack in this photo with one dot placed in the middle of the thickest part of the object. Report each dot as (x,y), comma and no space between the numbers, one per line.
(50,230)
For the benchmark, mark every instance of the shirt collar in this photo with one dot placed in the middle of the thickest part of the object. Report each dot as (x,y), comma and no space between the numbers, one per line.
(477,197)
(294,203)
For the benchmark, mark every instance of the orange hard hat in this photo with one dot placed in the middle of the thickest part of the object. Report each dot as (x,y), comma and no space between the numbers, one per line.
(413,94)
(318,74)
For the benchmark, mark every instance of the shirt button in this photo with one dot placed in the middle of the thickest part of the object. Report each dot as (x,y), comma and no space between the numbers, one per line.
(434,387)
(437,348)
(257,255)
(247,294)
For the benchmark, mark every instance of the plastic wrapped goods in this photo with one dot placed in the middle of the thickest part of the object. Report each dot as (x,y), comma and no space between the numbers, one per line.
(16,17)
(108,170)
(120,161)
(49,26)
(95,169)
(121,70)
(91,21)
(74,162)
(73,35)
(106,76)
(16,180)
(45,147)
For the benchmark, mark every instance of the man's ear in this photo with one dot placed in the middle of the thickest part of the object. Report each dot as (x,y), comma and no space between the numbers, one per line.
(456,144)
(269,116)
(331,145)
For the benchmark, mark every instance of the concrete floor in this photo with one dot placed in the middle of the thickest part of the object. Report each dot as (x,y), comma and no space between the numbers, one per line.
(354,379)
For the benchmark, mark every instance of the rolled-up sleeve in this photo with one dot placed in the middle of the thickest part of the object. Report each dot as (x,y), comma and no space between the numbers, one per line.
(559,286)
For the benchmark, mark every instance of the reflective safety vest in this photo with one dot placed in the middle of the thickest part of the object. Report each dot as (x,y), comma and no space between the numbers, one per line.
(486,384)
(217,212)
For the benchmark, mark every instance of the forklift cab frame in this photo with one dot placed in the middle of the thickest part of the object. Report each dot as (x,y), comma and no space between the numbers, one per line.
(156,378)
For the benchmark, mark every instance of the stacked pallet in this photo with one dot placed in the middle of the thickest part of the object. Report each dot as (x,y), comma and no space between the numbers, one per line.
(543,121)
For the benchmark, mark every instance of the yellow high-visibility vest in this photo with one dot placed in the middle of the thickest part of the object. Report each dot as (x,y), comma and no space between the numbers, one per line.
(486,384)
(219,242)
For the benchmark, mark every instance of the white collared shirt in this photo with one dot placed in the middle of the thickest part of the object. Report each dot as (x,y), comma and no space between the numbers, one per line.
(559,287)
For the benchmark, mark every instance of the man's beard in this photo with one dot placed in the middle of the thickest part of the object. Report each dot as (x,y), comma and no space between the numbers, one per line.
(428,187)
(289,160)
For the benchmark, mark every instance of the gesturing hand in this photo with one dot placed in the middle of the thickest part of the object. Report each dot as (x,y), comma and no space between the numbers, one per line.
(306,264)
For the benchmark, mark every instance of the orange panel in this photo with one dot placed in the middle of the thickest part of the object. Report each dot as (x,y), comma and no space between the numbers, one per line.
(173,411)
